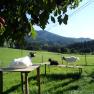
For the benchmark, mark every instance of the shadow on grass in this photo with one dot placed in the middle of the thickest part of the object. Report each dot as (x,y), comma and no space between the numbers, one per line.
(88,65)
(63,76)
(51,77)
(13,88)
(92,77)
(70,89)
(63,86)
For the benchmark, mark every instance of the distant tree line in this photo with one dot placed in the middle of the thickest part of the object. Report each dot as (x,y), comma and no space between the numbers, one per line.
(81,47)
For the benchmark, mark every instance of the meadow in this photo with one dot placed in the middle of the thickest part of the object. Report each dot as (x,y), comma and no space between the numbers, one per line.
(57,80)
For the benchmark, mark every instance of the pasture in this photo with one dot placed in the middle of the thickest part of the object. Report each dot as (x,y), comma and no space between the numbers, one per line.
(57,80)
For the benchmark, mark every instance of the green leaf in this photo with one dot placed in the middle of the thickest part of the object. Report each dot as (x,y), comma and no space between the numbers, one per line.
(43,19)
(64,10)
(52,19)
(60,19)
(59,11)
(65,19)
(33,32)
(2,29)
(55,13)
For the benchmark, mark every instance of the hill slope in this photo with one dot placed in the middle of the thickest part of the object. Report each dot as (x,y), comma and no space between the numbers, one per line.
(50,38)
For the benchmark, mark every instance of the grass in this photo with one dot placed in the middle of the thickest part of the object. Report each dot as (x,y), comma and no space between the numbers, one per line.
(57,81)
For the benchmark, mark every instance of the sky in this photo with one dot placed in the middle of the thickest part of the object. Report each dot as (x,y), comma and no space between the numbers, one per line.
(80,23)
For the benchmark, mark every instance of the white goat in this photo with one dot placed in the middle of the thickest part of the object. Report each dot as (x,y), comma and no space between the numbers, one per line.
(22,62)
(70,59)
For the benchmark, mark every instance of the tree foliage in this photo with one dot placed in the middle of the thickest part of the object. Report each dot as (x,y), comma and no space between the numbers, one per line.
(17,24)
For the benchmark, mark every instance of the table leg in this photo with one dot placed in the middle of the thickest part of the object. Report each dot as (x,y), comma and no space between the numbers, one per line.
(22,83)
(1,82)
(26,83)
(45,69)
(38,79)
(49,68)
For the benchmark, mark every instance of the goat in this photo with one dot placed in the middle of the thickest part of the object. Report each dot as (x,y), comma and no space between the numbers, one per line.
(23,61)
(53,62)
(70,59)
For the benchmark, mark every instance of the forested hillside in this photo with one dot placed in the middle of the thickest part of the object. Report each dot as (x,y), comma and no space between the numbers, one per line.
(82,47)
(55,43)
(51,42)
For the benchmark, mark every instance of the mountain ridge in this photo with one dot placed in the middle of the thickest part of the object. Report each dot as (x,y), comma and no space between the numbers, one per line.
(48,37)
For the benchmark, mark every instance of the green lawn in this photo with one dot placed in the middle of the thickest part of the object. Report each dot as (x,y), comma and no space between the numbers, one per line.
(57,81)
